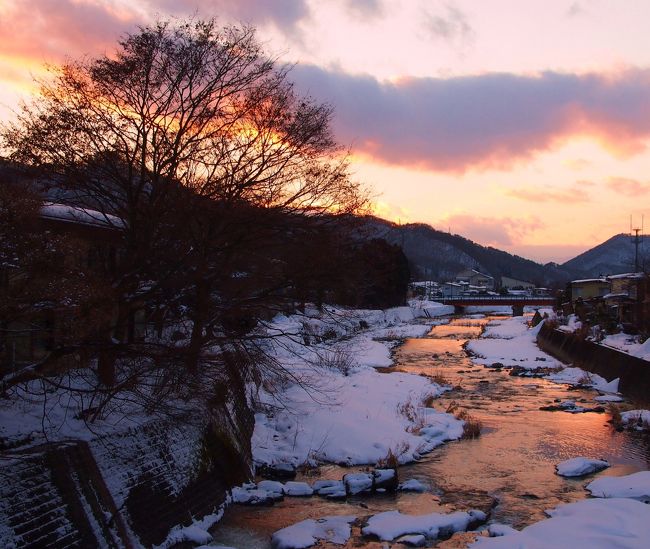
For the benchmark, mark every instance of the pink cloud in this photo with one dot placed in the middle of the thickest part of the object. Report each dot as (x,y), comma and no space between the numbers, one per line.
(628,187)
(572,195)
(52,30)
(493,231)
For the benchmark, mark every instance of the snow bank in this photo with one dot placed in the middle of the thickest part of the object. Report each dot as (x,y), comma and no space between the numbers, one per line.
(635,486)
(510,342)
(197,532)
(430,309)
(592,523)
(577,376)
(628,344)
(580,466)
(335,529)
(392,524)
(352,415)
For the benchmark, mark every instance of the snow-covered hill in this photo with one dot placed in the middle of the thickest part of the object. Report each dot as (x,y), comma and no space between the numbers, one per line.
(615,255)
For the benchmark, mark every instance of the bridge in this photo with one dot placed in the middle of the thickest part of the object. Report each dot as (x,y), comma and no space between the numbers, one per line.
(517,302)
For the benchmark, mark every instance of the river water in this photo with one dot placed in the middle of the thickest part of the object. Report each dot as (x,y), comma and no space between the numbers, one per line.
(508,471)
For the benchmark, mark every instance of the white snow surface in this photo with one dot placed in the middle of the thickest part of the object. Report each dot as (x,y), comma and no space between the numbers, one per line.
(639,419)
(591,523)
(635,486)
(334,529)
(580,466)
(628,344)
(392,524)
(511,343)
(355,418)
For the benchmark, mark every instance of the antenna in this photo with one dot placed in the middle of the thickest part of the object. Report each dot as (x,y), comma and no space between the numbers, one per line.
(636,240)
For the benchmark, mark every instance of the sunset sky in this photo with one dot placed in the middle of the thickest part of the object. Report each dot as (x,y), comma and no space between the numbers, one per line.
(524,125)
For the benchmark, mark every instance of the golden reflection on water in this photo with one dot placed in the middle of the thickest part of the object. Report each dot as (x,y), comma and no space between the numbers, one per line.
(510,467)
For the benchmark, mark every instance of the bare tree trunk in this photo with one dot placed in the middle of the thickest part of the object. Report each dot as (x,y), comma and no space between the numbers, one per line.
(201,311)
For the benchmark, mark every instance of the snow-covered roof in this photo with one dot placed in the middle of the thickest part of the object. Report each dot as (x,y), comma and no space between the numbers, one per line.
(480,273)
(612,296)
(626,275)
(587,280)
(83,216)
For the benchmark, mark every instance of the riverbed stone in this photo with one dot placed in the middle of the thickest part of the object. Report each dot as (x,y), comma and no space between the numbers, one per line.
(356,483)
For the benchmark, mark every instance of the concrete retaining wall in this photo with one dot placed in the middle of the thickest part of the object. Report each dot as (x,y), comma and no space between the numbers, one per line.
(126,489)
(633,372)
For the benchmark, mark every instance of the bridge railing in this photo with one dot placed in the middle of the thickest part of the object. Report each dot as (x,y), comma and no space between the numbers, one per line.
(497,298)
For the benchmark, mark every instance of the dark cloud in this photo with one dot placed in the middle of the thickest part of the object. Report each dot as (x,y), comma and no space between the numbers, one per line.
(367,9)
(452,26)
(485,121)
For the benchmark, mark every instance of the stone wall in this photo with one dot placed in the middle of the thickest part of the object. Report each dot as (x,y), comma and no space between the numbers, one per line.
(125,489)
(634,373)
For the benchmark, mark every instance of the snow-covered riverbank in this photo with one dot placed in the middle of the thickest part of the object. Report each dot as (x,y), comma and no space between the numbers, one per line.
(339,408)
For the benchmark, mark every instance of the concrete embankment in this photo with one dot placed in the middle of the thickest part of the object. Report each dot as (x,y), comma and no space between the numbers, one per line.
(634,373)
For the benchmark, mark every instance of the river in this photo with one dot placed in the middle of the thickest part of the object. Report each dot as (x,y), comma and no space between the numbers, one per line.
(508,471)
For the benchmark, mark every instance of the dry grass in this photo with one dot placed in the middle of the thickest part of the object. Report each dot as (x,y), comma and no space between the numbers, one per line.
(615,417)
(472,426)
(391,461)
(586,379)
(439,378)
(452,407)
(427,402)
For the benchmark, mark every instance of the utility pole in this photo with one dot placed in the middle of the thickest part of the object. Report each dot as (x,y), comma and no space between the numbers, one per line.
(636,240)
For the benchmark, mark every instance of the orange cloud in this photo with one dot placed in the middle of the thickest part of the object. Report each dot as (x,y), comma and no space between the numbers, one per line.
(52,30)
(572,195)
(492,231)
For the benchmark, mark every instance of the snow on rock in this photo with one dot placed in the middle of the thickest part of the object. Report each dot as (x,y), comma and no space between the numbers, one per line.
(274,488)
(416,540)
(247,496)
(393,524)
(496,530)
(591,523)
(332,489)
(197,532)
(334,529)
(580,466)
(413,485)
(577,376)
(300,489)
(637,419)
(608,398)
(355,483)
(635,486)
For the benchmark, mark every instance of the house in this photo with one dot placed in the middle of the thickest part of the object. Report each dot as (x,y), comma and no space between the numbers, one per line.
(589,288)
(452,289)
(475,278)
(629,300)
(514,284)
(94,245)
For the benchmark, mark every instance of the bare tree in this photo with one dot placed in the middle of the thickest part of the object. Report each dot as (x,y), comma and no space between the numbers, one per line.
(192,143)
